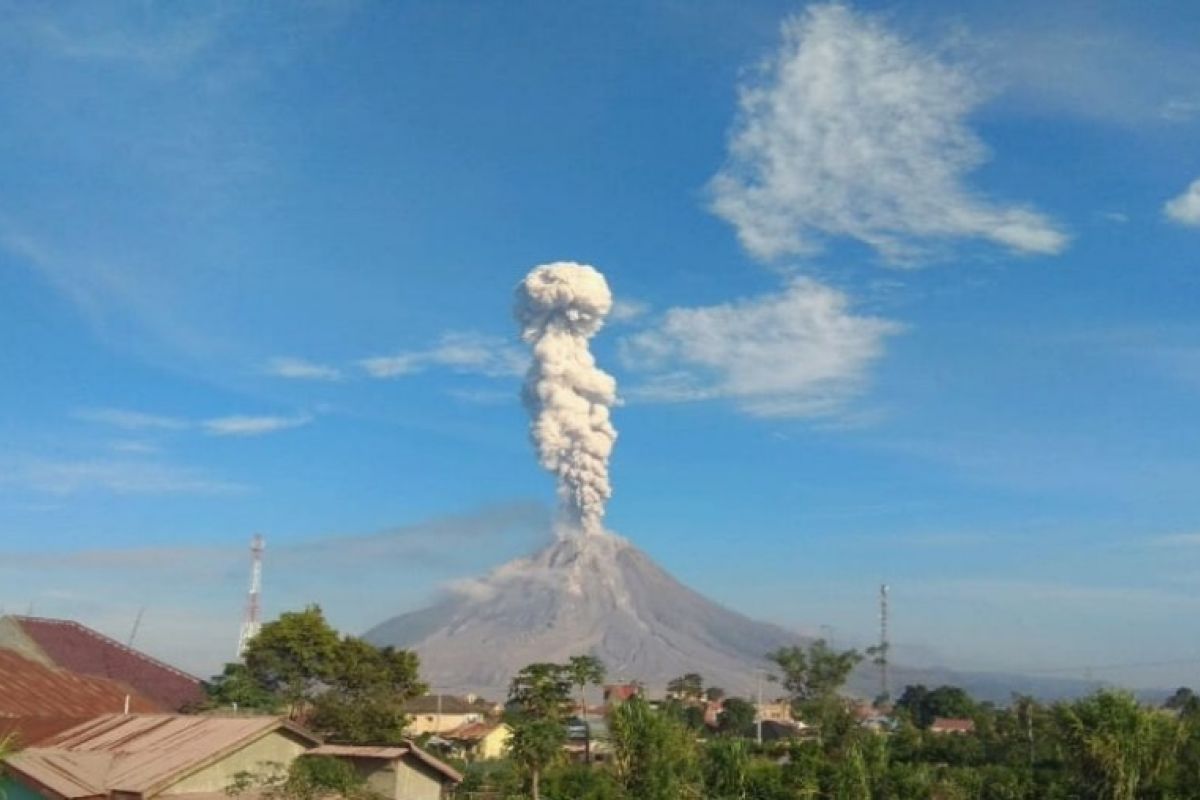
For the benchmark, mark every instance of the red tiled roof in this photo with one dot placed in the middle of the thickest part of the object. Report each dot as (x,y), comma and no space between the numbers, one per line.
(82,650)
(37,700)
(472,731)
(950,725)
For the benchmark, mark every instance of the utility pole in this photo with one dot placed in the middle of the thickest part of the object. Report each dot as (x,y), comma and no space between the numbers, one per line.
(251,624)
(758,711)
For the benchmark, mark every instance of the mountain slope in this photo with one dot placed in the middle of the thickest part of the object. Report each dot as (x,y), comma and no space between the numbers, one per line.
(593,594)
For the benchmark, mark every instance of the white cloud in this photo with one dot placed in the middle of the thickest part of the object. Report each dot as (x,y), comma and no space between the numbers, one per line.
(1185,209)
(800,352)
(627,310)
(300,369)
(241,425)
(65,477)
(130,420)
(469,353)
(1178,540)
(1180,109)
(850,131)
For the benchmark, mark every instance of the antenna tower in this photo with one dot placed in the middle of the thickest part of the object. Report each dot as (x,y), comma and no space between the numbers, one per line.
(884,645)
(251,623)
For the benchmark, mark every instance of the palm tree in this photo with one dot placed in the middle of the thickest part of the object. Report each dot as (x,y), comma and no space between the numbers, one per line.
(585,671)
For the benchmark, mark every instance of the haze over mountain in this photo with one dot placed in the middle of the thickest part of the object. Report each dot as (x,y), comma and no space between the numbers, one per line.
(601,595)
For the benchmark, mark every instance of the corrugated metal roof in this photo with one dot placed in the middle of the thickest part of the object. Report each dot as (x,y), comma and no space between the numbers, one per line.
(37,700)
(140,753)
(80,649)
(359,751)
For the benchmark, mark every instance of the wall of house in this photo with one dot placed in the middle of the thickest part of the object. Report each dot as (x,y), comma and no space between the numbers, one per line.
(380,776)
(264,757)
(492,745)
(12,790)
(415,781)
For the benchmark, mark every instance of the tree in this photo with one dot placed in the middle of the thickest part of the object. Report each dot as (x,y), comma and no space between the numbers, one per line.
(1183,700)
(585,671)
(737,717)
(539,701)
(923,705)
(536,744)
(816,672)
(308,778)
(654,755)
(294,657)
(714,694)
(344,687)
(689,687)
(1116,749)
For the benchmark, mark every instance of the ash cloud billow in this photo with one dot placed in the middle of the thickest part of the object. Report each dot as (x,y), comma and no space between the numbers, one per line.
(559,308)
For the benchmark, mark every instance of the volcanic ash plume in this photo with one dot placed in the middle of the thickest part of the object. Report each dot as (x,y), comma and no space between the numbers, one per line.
(559,307)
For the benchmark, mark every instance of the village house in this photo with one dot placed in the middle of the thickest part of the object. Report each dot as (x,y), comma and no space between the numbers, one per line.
(179,757)
(480,741)
(951,725)
(441,713)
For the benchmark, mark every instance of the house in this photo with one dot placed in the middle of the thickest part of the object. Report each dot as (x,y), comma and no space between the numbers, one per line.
(952,725)
(442,713)
(76,648)
(38,700)
(405,772)
(480,741)
(777,711)
(144,756)
(617,693)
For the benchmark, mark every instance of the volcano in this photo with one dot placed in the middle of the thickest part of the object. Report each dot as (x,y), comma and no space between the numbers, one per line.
(583,594)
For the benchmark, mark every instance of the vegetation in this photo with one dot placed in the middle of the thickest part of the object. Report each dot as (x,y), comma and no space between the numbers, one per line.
(309,778)
(343,687)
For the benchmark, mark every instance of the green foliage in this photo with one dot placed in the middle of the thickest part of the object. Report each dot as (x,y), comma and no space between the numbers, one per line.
(814,673)
(308,778)
(535,745)
(541,691)
(726,769)
(922,705)
(686,687)
(655,756)
(345,688)
(737,717)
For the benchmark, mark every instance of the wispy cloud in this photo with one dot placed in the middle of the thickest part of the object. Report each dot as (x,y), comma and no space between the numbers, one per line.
(1185,209)
(230,425)
(131,420)
(627,309)
(1177,540)
(1179,109)
(468,353)
(799,353)
(851,131)
(300,369)
(116,476)
(253,426)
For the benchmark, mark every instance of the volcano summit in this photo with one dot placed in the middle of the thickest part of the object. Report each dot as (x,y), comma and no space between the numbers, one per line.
(593,593)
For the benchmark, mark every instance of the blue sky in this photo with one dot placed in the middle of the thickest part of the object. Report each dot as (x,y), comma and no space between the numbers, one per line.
(906,292)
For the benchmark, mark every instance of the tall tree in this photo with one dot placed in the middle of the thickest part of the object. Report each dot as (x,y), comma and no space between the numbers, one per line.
(294,657)
(539,701)
(737,717)
(586,670)
(689,687)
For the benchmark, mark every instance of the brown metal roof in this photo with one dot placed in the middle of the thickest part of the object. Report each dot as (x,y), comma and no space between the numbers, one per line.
(138,753)
(80,649)
(37,700)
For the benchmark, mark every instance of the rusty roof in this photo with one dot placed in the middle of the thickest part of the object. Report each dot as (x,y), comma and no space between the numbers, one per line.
(38,700)
(472,731)
(76,647)
(138,753)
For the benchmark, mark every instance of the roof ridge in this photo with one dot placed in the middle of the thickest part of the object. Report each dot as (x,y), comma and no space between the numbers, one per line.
(95,634)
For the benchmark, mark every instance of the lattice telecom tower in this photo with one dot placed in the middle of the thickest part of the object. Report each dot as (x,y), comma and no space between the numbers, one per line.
(251,622)
(884,644)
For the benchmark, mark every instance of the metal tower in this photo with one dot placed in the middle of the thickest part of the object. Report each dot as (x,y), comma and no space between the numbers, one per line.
(251,622)
(884,645)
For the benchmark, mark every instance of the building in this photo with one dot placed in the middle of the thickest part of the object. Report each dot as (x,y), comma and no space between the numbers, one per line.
(144,756)
(178,757)
(617,693)
(951,725)
(38,700)
(70,646)
(777,711)
(400,773)
(480,741)
(442,713)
